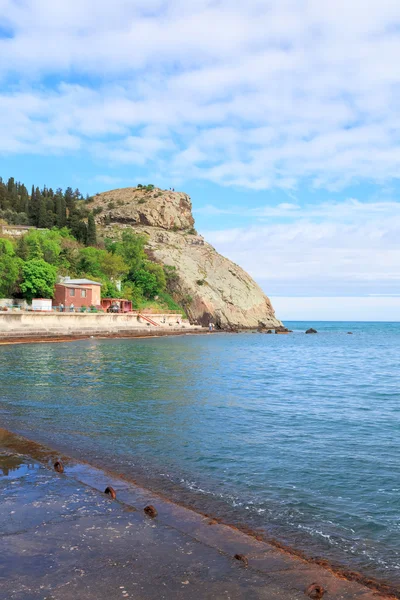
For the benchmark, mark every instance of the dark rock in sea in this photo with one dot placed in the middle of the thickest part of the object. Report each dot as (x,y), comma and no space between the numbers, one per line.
(269,331)
(311,330)
(231,329)
(282,329)
(349,333)
(150,511)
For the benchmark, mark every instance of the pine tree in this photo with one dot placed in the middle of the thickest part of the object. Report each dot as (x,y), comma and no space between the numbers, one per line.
(91,231)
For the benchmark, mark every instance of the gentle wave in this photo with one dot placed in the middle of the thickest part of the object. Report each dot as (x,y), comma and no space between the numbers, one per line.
(296,435)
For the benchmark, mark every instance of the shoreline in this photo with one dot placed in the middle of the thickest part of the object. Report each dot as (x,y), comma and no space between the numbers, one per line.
(95,477)
(141,334)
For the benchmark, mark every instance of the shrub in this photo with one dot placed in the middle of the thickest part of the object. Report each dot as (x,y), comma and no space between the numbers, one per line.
(139,185)
(200,281)
(170,303)
(111,205)
(97,210)
(192,231)
(142,201)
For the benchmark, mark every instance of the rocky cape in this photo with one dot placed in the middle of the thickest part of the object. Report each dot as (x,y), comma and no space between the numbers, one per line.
(207,284)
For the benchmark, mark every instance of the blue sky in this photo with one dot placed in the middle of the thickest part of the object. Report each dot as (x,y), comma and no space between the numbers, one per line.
(280,118)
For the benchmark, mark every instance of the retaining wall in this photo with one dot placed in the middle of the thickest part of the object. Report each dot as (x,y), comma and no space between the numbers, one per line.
(79,324)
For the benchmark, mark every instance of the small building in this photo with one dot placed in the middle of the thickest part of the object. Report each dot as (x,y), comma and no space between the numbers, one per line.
(42,304)
(120,305)
(77,292)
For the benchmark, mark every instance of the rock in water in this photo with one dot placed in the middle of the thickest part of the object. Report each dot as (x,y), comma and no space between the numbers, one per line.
(208,285)
(311,330)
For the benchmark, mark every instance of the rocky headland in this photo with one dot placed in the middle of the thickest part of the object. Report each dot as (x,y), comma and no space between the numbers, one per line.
(208,285)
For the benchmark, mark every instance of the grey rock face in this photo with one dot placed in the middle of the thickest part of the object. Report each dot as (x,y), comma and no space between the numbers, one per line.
(210,286)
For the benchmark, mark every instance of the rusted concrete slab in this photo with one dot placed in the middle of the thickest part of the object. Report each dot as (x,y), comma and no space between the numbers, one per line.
(62,538)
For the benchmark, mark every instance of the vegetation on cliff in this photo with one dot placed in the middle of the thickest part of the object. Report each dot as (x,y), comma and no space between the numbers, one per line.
(143,236)
(67,243)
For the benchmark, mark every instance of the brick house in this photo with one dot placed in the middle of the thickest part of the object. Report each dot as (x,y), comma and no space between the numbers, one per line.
(79,292)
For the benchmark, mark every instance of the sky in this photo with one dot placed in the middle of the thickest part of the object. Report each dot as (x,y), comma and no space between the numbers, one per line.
(281,119)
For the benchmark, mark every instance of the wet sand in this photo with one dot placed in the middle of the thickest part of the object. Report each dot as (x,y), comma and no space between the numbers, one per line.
(62,538)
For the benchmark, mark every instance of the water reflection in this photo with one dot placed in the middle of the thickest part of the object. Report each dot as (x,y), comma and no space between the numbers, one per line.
(12,466)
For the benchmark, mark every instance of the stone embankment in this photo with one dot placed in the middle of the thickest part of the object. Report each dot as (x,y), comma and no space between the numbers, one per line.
(37,326)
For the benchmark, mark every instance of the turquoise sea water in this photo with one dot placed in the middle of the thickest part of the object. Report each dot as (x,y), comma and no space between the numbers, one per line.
(297,435)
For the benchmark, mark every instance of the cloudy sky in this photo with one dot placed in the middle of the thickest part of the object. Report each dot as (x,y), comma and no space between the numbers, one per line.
(280,118)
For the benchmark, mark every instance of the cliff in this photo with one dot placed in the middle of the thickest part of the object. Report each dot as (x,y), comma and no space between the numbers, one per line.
(206,283)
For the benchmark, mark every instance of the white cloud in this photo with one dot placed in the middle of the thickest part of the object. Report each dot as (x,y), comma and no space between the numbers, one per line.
(337,308)
(325,249)
(259,94)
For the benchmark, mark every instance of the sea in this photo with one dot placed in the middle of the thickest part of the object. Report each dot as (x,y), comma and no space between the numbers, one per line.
(295,436)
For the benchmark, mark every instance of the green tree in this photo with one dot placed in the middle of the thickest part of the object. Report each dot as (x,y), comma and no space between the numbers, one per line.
(38,279)
(159,274)
(89,262)
(10,266)
(147,282)
(131,248)
(91,231)
(108,290)
(133,293)
(112,265)
(60,208)
(22,249)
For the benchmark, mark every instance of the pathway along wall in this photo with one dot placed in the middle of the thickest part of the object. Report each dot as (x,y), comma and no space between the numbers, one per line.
(36,325)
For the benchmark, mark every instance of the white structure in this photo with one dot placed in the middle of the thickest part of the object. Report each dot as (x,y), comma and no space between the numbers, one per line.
(42,304)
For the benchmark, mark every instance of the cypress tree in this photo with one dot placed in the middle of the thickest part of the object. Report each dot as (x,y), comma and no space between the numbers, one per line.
(91,231)
(69,200)
(24,199)
(42,216)
(33,208)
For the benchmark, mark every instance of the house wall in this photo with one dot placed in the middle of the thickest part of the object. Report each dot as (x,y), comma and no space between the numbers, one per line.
(96,294)
(63,295)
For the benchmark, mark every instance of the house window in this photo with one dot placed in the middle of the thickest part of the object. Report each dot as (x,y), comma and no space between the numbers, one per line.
(72,292)
(83,293)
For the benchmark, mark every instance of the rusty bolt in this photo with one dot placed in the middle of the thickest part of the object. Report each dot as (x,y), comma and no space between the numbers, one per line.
(150,511)
(58,466)
(110,492)
(242,558)
(315,591)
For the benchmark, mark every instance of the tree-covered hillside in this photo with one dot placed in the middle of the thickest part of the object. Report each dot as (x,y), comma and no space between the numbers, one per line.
(66,243)
(46,208)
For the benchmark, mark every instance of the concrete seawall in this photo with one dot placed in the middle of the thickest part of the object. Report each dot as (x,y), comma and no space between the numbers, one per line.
(64,538)
(48,325)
